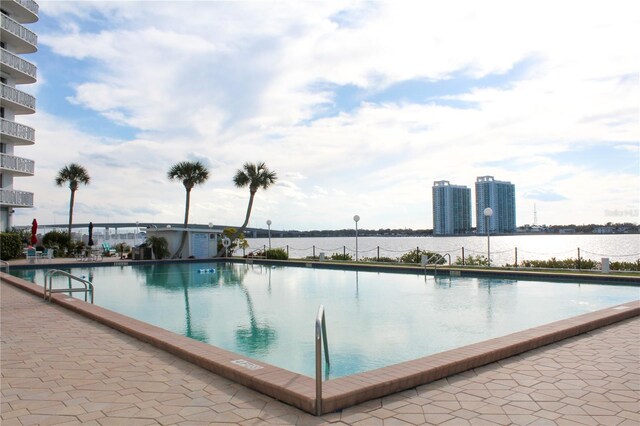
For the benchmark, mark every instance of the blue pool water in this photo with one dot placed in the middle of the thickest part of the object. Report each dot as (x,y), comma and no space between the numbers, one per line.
(373,319)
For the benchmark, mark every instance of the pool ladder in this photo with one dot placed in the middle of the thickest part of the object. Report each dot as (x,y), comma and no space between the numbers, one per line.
(436,256)
(321,334)
(49,290)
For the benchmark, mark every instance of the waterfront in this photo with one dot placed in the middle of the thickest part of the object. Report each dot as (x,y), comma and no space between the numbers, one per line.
(618,247)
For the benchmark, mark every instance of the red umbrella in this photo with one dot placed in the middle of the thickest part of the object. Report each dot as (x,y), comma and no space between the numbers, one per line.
(34,230)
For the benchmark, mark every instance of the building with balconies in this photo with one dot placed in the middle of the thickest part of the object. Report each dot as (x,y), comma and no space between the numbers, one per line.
(451,209)
(500,196)
(15,40)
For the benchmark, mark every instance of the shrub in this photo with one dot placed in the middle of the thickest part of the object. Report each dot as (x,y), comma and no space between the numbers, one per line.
(415,256)
(159,246)
(10,245)
(381,259)
(625,266)
(554,263)
(340,256)
(58,241)
(277,253)
(473,261)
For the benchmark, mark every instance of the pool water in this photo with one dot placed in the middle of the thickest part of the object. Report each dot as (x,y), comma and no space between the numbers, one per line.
(373,319)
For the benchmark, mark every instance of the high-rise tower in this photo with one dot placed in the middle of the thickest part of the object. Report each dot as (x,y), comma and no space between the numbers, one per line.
(501,197)
(15,41)
(451,208)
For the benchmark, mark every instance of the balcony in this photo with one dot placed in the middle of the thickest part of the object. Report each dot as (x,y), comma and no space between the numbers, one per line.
(25,11)
(23,71)
(16,133)
(13,33)
(16,166)
(19,101)
(9,197)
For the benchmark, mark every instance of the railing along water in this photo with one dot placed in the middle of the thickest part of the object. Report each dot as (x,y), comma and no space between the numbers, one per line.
(49,290)
(321,333)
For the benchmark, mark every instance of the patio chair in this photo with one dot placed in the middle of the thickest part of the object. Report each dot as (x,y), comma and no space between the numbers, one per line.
(48,254)
(32,255)
(108,251)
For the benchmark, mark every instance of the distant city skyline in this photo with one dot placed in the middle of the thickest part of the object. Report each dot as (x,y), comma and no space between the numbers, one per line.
(358,106)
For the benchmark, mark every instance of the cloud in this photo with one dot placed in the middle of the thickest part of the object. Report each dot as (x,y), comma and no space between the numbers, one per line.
(544,195)
(498,96)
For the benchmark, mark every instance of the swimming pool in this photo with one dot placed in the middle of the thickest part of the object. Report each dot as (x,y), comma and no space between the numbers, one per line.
(373,319)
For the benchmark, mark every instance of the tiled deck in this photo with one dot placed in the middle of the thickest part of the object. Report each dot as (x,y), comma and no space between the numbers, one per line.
(61,368)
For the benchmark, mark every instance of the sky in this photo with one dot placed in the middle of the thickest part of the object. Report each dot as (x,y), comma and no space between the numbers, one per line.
(357,106)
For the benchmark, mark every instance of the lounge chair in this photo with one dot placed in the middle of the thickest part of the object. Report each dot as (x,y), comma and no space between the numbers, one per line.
(32,255)
(107,250)
(48,254)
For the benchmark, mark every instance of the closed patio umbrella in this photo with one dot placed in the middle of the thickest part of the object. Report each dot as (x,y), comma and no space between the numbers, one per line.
(90,243)
(34,230)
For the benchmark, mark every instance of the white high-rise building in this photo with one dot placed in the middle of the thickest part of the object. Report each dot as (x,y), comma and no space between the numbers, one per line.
(15,41)
(451,208)
(501,197)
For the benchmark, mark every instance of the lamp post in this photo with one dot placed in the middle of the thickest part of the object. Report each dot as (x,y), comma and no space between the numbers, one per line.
(356,218)
(135,235)
(488,212)
(269,225)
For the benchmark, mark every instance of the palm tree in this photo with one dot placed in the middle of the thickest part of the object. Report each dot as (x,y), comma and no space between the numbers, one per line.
(255,176)
(191,174)
(74,175)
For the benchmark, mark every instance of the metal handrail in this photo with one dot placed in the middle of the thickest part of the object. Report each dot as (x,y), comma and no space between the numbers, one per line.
(435,265)
(321,334)
(4,264)
(49,290)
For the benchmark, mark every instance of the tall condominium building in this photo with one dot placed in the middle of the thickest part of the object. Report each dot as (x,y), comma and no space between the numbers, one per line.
(451,208)
(16,40)
(501,197)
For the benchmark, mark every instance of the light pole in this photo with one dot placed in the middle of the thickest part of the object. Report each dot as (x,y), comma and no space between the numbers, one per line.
(356,218)
(269,225)
(135,235)
(488,212)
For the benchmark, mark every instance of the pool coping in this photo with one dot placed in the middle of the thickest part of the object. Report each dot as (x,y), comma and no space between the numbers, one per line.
(299,390)
(581,276)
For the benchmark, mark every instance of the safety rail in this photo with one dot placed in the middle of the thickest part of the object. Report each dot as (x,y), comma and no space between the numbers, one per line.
(49,290)
(321,334)
(253,254)
(435,264)
(4,264)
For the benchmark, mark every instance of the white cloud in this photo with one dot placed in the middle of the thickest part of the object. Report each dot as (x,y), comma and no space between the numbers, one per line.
(231,82)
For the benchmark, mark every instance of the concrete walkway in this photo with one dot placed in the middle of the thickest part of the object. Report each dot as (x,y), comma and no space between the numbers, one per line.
(61,368)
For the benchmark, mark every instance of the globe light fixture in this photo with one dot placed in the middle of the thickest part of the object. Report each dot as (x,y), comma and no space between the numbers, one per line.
(488,212)
(269,225)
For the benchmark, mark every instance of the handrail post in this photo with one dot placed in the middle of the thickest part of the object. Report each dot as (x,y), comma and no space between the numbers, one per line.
(321,333)
(48,289)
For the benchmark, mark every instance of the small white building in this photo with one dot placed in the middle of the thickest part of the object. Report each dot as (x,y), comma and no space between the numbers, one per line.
(200,244)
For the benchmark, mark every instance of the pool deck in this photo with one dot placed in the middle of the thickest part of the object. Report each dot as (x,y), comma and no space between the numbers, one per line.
(61,367)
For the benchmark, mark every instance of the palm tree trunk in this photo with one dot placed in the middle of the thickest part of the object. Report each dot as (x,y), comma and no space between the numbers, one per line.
(71,201)
(246,219)
(178,252)
(244,225)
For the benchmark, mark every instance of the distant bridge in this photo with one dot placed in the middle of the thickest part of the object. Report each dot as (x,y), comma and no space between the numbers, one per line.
(144,225)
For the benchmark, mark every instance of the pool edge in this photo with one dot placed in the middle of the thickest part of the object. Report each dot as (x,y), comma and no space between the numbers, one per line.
(299,390)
